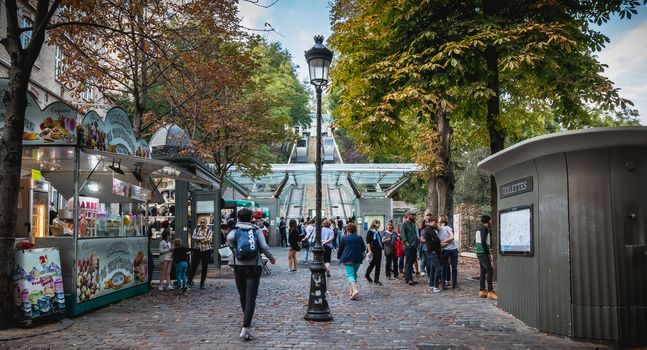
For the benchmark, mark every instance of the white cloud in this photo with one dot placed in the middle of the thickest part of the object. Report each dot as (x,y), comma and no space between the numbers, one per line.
(627,61)
(251,16)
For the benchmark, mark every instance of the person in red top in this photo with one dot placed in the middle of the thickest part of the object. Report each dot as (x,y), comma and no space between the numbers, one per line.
(258,217)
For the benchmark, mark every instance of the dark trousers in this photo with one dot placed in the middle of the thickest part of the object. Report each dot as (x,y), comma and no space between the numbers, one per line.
(284,239)
(410,257)
(450,260)
(433,269)
(391,265)
(486,272)
(401,264)
(376,263)
(199,256)
(247,280)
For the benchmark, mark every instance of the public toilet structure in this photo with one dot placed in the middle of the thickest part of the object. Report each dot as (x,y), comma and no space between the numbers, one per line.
(572,222)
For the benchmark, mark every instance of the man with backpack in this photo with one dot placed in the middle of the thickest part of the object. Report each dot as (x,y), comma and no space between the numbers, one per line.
(247,242)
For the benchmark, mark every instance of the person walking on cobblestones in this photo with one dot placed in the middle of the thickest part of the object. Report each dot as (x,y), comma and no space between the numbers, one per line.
(309,239)
(388,238)
(485,262)
(327,237)
(351,254)
(449,258)
(247,272)
(432,242)
(374,245)
(293,240)
(409,234)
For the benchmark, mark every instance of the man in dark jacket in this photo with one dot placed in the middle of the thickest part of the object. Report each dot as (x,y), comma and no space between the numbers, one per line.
(283,233)
(409,235)
(432,241)
(485,262)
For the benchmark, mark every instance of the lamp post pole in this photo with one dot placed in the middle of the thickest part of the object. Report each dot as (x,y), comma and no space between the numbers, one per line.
(318,309)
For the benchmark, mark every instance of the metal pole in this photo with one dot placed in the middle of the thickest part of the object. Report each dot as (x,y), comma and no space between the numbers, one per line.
(317,303)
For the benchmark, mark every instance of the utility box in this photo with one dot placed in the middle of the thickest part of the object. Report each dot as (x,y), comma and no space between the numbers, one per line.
(572,229)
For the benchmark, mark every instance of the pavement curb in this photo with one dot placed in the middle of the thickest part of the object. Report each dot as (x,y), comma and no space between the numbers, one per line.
(35,331)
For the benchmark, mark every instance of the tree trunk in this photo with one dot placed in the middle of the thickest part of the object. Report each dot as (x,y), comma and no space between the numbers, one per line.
(497,138)
(445,183)
(15,101)
(432,195)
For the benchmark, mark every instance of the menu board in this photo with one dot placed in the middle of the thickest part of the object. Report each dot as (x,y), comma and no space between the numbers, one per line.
(516,231)
(54,125)
(108,265)
(38,284)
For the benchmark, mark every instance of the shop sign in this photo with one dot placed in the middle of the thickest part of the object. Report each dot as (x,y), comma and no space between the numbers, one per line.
(139,193)
(55,125)
(36,175)
(113,134)
(38,284)
(516,187)
(107,265)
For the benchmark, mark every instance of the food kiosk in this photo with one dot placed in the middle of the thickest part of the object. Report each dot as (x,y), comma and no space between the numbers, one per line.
(106,177)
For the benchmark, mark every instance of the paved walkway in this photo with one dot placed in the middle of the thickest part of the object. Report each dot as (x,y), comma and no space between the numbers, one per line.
(392,316)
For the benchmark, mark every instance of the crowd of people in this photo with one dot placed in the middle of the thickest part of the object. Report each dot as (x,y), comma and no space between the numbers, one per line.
(406,251)
(409,251)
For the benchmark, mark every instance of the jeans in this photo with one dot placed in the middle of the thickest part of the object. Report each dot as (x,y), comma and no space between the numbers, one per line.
(433,269)
(410,255)
(423,261)
(199,256)
(180,272)
(247,277)
(284,239)
(308,252)
(351,272)
(391,264)
(486,272)
(450,259)
(401,264)
(375,263)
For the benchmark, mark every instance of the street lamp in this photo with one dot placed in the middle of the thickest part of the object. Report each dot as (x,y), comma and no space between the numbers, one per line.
(318,57)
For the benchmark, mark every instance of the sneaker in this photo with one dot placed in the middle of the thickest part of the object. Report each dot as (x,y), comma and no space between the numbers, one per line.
(423,274)
(160,287)
(482,294)
(328,274)
(411,283)
(170,286)
(378,283)
(436,290)
(184,288)
(491,295)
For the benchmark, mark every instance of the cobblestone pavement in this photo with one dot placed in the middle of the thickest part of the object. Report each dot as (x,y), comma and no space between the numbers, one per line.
(392,316)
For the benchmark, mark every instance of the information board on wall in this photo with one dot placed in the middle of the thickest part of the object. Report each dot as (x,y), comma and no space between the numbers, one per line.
(516,231)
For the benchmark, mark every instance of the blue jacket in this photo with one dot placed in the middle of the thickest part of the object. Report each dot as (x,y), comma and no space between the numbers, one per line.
(351,250)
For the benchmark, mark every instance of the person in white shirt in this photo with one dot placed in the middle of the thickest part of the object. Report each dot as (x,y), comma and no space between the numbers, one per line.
(309,239)
(166,259)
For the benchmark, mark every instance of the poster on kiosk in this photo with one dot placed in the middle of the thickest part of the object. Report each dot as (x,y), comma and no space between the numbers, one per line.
(38,284)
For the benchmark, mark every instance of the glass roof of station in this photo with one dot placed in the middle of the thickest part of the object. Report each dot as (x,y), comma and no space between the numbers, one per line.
(357,179)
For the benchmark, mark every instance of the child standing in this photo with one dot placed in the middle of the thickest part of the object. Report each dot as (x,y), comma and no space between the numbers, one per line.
(181,260)
(166,258)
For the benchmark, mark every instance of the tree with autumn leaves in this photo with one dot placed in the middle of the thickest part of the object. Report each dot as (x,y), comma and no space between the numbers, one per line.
(237,100)
(414,75)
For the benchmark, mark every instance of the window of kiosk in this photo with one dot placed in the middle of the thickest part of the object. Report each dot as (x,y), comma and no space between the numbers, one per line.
(98,219)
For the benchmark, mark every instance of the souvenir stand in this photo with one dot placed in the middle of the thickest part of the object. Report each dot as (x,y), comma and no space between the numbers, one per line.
(106,176)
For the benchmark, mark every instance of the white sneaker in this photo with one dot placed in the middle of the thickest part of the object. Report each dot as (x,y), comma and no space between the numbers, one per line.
(170,286)
(160,287)
(436,290)
(422,274)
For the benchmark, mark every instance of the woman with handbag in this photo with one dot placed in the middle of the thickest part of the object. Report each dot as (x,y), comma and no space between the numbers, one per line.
(389,240)
(293,240)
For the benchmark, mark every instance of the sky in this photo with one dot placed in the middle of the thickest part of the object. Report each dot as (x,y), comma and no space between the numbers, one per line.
(296,22)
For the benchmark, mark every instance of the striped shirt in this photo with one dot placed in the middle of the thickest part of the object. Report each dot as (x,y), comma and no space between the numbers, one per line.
(202,238)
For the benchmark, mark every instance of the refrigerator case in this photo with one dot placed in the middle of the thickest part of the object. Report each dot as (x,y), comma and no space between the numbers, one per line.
(38,284)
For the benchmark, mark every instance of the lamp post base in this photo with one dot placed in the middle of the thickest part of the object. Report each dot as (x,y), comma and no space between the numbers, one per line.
(318,309)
